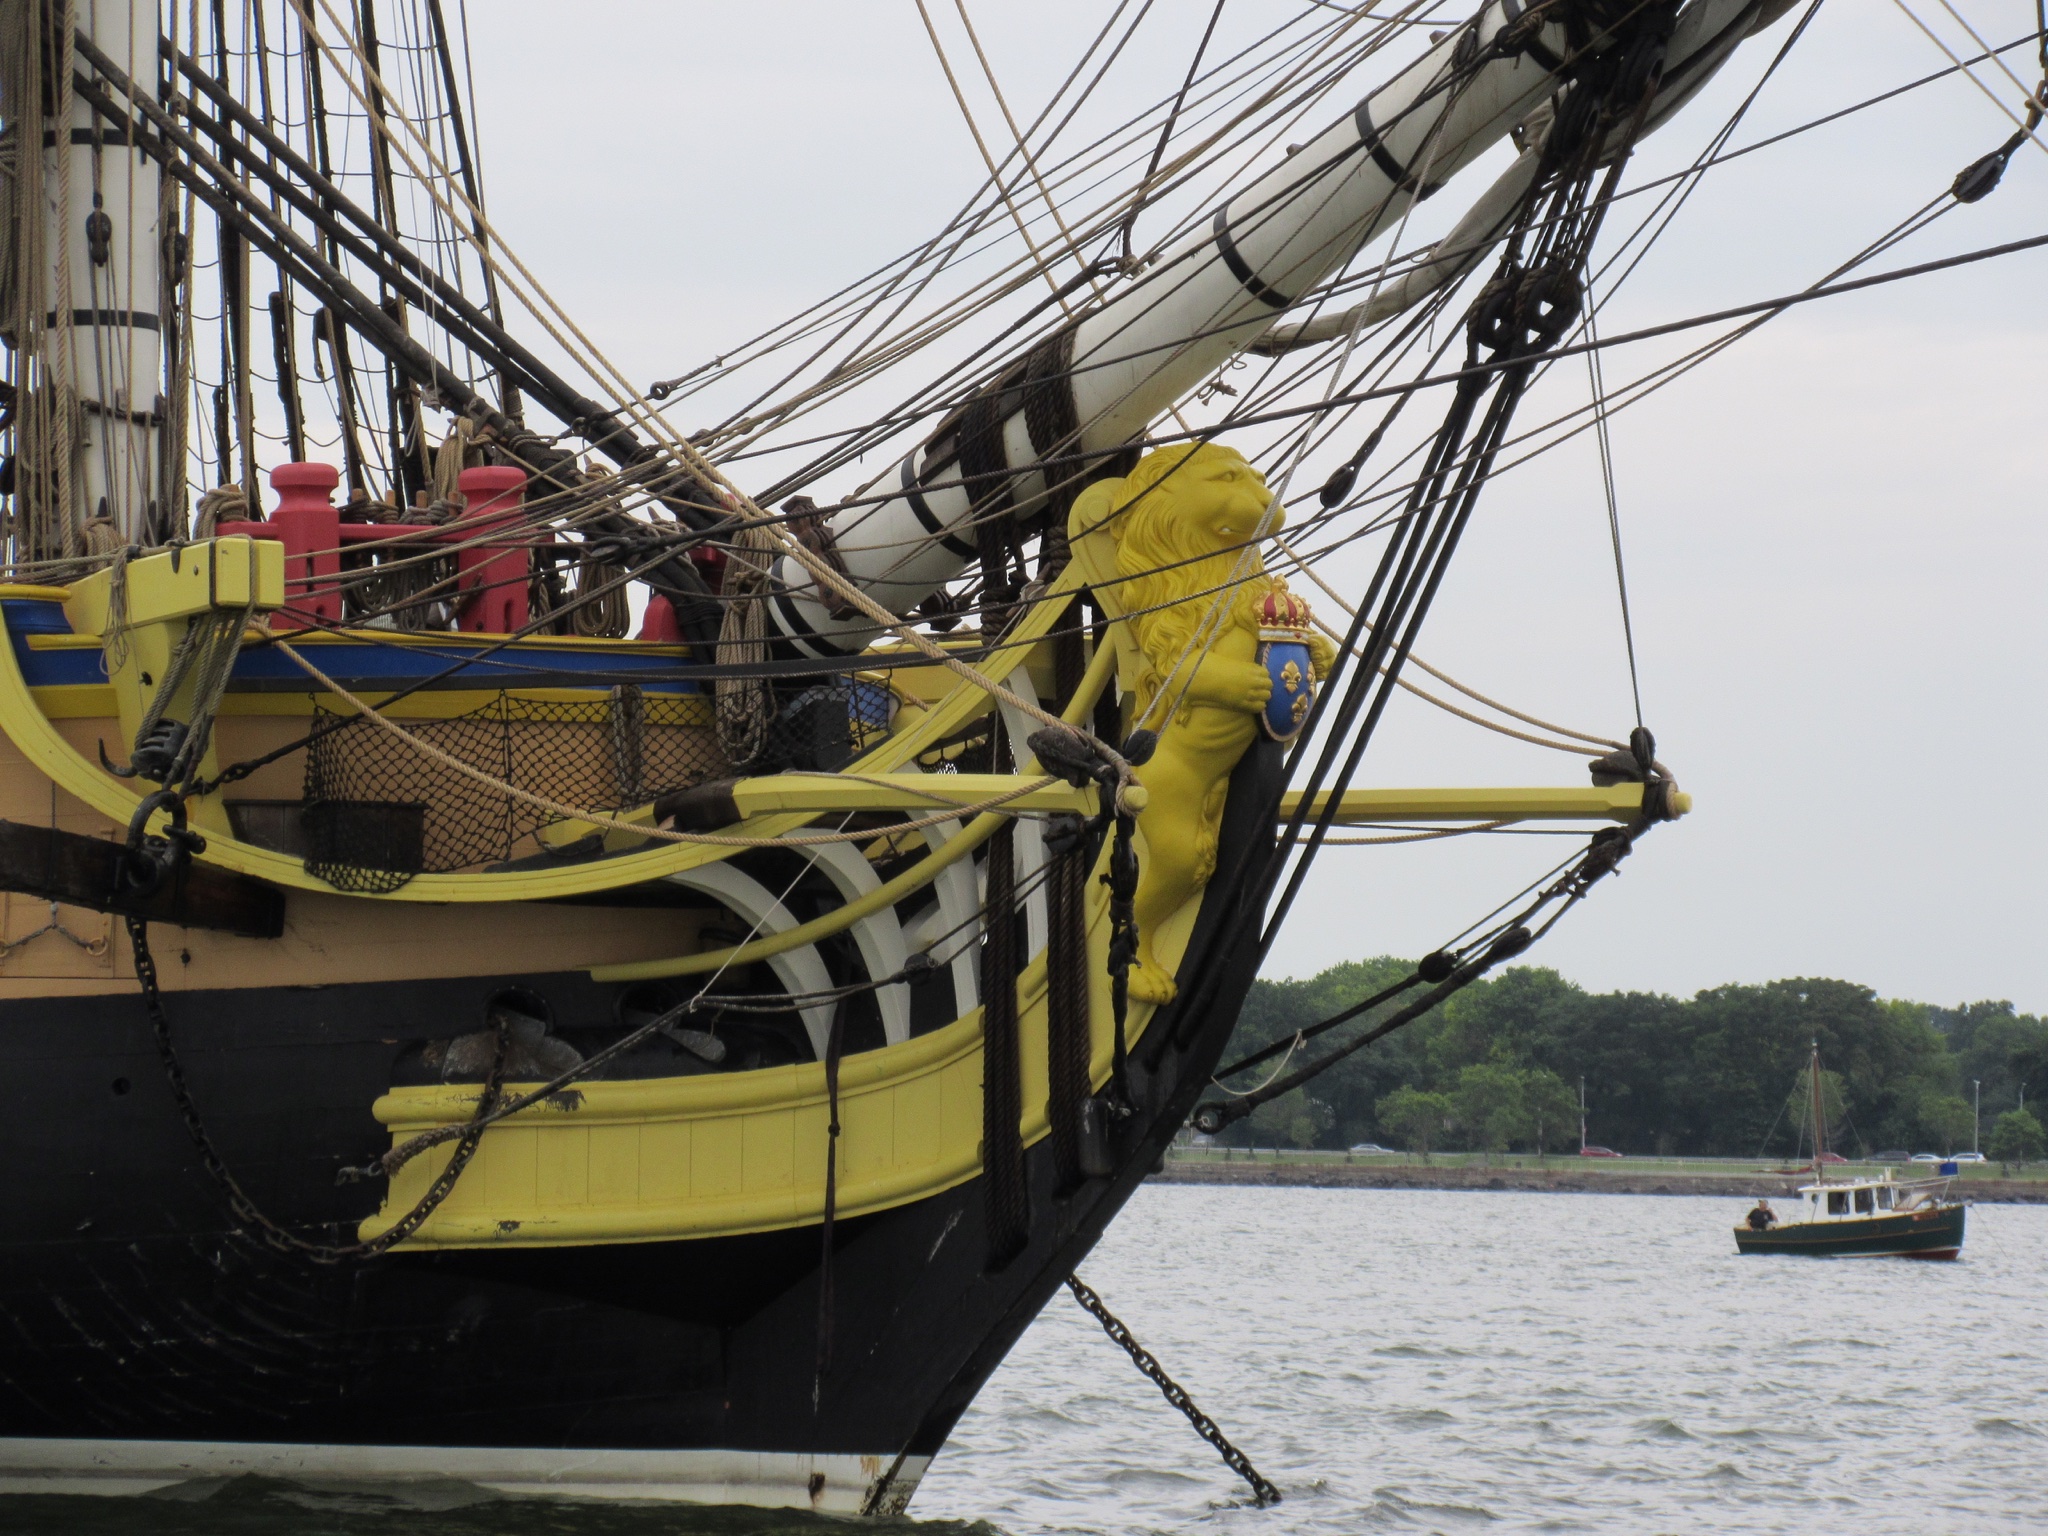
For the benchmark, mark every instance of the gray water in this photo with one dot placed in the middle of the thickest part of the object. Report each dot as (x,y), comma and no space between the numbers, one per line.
(1421,1361)
(1434,1361)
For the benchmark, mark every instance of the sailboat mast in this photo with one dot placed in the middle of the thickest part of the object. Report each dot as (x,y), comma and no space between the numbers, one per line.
(1820,1133)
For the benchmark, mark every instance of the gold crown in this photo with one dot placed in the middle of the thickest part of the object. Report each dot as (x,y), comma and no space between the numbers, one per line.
(1281,609)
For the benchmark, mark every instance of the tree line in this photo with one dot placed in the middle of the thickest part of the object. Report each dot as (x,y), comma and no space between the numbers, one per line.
(1500,1066)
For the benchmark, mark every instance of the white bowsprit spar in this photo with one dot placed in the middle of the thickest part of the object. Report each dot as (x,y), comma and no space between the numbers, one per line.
(1092,388)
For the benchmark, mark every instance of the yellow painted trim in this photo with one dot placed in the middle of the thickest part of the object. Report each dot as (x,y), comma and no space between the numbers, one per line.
(77,701)
(922,793)
(430,639)
(215,574)
(46,749)
(1615,802)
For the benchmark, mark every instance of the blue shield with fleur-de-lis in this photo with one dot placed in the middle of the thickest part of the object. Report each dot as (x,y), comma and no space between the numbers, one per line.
(1285,656)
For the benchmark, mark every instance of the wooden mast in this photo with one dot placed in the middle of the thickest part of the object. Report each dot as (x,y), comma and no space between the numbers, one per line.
(1820,1168)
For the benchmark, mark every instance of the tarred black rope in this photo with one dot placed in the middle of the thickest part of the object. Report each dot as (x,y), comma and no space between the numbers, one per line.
(1068,1046)
(1303,1036)
(1264,1493)
(1002,1088)
(245,1210)
(984,461)
(1068,1042)
(1450,971)
(1054,427)
(1122,880)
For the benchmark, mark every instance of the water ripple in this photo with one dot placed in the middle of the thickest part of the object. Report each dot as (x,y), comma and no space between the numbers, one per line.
(1411,1360)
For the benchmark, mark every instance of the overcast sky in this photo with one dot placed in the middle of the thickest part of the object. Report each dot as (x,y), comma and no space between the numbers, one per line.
(1834,532)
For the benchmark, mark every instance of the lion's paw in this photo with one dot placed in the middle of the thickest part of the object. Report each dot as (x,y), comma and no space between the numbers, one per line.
(1233,685)
(1149,984)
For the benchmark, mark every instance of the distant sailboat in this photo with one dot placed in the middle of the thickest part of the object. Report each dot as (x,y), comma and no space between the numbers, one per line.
(1858,1217)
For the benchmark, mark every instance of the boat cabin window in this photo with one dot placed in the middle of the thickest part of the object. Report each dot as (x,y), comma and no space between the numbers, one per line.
(1838,1202)
(1866,1201)
(1884,1199)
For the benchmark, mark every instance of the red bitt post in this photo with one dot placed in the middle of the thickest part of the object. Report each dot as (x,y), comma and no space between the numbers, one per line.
(659,625)
(492,579)
(309,524)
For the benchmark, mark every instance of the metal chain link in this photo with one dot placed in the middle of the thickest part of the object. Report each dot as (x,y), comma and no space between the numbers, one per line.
(1264,1494)
(246,1210)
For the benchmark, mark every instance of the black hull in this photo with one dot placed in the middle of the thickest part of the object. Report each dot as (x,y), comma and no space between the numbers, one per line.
(132,1312)
(1933,1234)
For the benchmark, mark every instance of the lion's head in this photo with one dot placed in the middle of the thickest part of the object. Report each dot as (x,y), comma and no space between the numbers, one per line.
(1184,520)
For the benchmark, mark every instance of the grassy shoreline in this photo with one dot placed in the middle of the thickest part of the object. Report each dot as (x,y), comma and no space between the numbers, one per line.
(1571,1162)
(1744,1178)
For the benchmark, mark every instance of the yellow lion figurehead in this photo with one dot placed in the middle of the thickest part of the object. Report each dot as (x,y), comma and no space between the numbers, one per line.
(1183,523)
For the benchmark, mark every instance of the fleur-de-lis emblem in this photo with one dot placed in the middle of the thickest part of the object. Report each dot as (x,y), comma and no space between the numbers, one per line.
(1290,677)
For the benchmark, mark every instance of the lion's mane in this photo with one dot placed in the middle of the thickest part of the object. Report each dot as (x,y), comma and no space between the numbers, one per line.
(1172,567)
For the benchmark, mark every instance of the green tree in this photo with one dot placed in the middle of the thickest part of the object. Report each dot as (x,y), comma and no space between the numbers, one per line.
(1492,1105)
(1414,1118)
(2016,1138)
(1946,1119)
(1297,1118)
(1275,1010)
(1721,1072)
(1513,1018)
(1552,1108)
(1992,1043)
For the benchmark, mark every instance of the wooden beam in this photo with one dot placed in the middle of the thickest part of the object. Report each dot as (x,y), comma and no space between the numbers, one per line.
(707,807)
(85,872)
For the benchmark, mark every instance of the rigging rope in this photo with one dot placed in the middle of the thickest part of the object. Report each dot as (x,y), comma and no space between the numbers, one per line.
(1628,632)
(2032,120)
(1448,970)
(1138,197)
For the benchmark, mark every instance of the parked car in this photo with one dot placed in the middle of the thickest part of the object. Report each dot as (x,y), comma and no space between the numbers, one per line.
(1927,1157)
(1967,1157)
(1899,1156)
(1598,1152)
(1833,1157)
(1373,1149)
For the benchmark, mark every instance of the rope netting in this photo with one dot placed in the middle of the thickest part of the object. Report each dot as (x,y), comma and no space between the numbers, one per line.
(378,811)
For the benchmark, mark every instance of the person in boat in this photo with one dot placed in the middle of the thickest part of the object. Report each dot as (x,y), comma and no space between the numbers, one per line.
(1763,1217)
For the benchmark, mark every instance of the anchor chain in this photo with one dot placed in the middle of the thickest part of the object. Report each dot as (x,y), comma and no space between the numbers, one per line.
(150,862)
(1264,1494)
